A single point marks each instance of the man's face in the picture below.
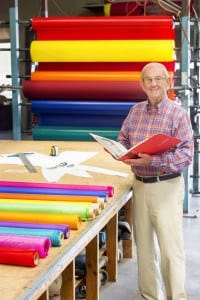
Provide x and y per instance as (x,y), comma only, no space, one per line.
(155,84)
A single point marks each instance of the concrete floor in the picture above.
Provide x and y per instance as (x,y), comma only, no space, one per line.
(126,287)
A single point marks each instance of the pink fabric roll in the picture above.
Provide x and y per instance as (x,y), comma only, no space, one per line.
(40,244)
(22,184)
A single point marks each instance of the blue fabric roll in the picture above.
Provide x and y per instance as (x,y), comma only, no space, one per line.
(55,236)
(61,227)
(81,107)
(5,189)
(80,120)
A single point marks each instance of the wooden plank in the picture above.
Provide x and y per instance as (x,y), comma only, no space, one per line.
(111,248)
(44,296)
(128,244)
(92,269)
(68,282)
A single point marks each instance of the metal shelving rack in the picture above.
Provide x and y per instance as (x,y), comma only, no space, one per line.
(189,81)
(16,99)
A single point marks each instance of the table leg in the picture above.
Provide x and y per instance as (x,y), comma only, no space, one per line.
(68,282)
(112,247)
(128,244)
(92,269)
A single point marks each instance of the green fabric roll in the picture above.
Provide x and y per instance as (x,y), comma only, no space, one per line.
(82,210)
(59,133)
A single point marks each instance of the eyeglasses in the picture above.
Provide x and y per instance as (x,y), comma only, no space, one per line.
(157,80)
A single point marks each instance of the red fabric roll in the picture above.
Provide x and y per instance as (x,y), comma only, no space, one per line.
(90,90)
(20,257)
(98,66)
(104,28)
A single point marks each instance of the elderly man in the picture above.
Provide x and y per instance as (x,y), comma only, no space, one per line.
(158,187)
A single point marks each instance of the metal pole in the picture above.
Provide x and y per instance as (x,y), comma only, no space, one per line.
(44,10)
(185,80)
(14,39)
(196,94)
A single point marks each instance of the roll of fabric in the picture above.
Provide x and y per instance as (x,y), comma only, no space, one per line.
(81,107)
(106,9)
(108,189)
(41,244)
(102,50)
(55,236)
(38,197)
(74,221)
(99,90)
(85,210)
(61,227)
(101,28)
(80,120)
(53,191)
(86,75)
(59,133)
(19,257)
(99,66)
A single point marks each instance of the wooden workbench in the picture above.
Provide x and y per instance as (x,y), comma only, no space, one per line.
(21,283)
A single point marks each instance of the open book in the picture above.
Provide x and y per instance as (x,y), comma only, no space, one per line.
(156,144)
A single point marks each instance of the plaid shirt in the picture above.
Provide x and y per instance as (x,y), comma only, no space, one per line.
(168,118)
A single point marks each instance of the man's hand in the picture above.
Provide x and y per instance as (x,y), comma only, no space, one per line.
(142,160)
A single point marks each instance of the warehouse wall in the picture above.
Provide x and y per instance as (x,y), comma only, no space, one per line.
(29,9)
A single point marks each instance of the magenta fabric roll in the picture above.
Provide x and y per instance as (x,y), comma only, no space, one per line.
(40,244)
(22,184)
(64,228)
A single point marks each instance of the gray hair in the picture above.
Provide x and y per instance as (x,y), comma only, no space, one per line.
(154,64)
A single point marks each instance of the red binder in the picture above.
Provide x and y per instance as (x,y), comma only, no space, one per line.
(156,144)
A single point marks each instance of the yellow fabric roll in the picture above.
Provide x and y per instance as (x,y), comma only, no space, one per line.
(106,9)
(102,51)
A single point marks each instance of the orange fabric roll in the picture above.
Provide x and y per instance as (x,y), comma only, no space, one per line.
(49,197)
(42,197)
(88,75)
(74,221)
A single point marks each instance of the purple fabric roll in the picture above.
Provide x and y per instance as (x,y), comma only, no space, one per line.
(39,185)
(64,228)
(40,244)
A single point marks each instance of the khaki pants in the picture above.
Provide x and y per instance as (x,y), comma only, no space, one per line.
(158,211)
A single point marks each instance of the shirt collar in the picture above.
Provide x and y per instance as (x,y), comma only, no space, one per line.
(160,105)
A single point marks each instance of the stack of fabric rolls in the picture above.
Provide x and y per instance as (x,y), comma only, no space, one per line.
(88,71)
(36,216)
